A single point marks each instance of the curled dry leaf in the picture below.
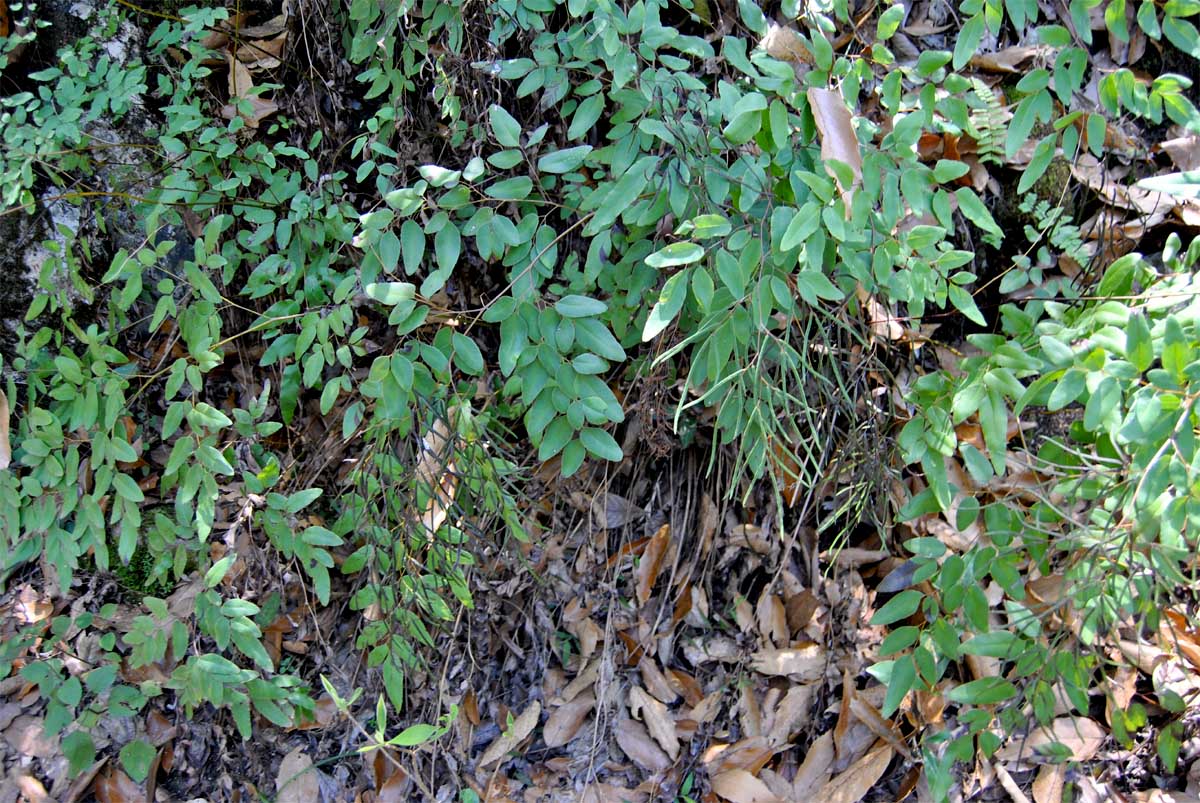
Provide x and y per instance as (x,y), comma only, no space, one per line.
(565,721)
(652,559)
(636,743)
(297,781)
(799,663)
(739,786)
(657,719)
(772,621)
(1008,60)
(838,140)
(853,784)
(791,714)
(507,741)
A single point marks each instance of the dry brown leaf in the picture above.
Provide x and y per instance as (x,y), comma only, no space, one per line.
(115,786)
(1184,151)
(657,718)
(813,772)
(772,621)
(792,713)
(799,663)
(511,737)
(853,784)
(27,735)
(5,444)
(566,720)
(1049,784)
(612,511)
(739,786)
(656,682)
(1008,60)
(611,793)
(636,743)
(651,562)
(1081,735)
(297,781)
(838,140)
(786,45)
(750,754)
(868,715)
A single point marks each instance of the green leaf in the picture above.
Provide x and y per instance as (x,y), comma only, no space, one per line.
(1001,644)
(802,226)
(670,302)
(976,212)
(683,253)
(1139,349)
(888,24)
(466,354)
(505,128)
(412,245)
(901,606)
(601,444)
(511,189)
(585,116)
(985,691)
(565,160)
(392,293)
(555,438)
(577,306)
(1181,185)
(708,226)
(128,489)
(948,170)
(413,735)
(80,751)
(813,285)
(746,118)
(447,245)
(136,758)
(904,677)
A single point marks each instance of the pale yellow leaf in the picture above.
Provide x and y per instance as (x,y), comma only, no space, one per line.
(1049,784)
(813,772)
(739,786)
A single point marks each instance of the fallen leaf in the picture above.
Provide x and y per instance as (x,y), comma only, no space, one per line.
(5,444)
(651,562)
(1008,60)
(772,620)
(296,781)
(657,719)
(1081,735)
(636,743)
(740,786)
(792,713)
(507,741)
(612,511)
(785,44)
(27,735)
(1049,784)
(853,784)
(564,722)
(813,772)
(800,663)
(838,140)
(115,786)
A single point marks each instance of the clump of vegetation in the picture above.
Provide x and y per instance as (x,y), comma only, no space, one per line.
(352,338)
